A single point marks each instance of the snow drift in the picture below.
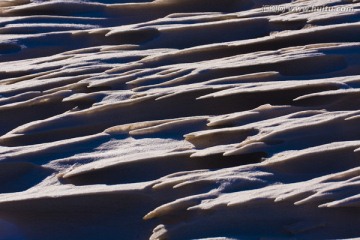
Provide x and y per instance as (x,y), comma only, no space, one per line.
(179,119)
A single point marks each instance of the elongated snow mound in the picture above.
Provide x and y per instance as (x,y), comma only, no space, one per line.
(179,119)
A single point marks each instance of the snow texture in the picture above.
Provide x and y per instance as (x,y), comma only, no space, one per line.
(179,119)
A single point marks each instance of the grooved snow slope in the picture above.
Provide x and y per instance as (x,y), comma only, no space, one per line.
(179,119)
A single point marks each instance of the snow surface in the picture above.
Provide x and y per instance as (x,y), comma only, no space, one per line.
(179,119)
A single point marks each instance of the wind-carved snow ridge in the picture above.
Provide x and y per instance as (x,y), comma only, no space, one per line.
(179,119)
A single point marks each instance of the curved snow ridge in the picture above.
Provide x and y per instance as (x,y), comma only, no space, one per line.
(179,119)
